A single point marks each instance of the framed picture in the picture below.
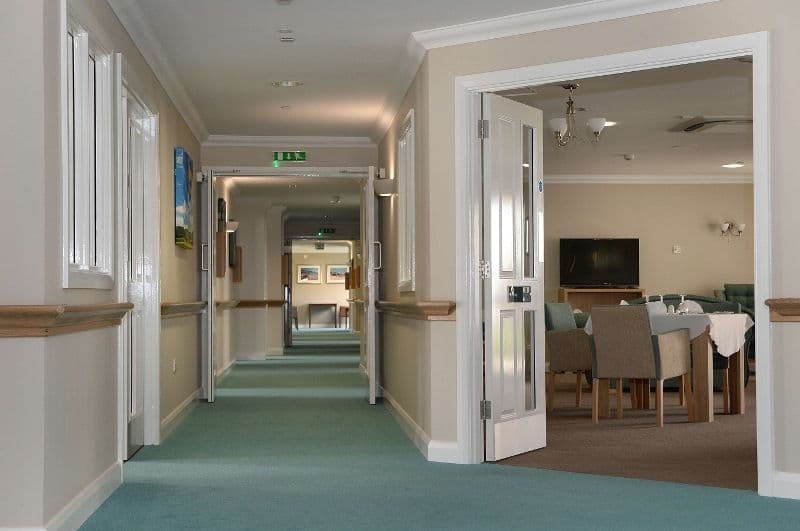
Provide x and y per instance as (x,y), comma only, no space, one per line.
(337,273)
(184,172)
(308,274)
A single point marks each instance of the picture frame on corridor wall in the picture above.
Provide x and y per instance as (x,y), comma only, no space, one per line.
(184,170)
(336,274)
(308,274)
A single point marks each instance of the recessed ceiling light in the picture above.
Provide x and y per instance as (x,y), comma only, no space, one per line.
(285,31)
(284,2)
(611,124)
(287,38)
(285,107)
(734,165)
(287,83)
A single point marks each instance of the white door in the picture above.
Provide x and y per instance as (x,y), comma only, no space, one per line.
(208,210)
(137,135)
(514,371)
(371,263)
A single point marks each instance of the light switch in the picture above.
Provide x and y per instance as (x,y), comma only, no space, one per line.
(676,249)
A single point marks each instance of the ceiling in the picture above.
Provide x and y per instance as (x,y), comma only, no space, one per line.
(218,59)
(647,105)
(304,197)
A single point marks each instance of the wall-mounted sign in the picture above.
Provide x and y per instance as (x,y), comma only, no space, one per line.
(287,156)
(326,231)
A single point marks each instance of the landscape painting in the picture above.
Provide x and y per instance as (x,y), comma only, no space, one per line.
(308,274)
(337,273)
(184,170)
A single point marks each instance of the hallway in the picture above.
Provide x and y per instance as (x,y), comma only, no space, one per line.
(292,444)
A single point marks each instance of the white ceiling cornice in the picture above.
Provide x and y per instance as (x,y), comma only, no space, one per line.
(530,22)
(545,19)
(289,141)
(130,14)
(738,178)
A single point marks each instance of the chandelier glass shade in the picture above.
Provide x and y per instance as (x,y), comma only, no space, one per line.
(564,128)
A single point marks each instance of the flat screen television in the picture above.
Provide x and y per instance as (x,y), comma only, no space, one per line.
(599,262)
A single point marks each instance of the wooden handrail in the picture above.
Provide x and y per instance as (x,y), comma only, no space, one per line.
(420,310)
(259,303)
(226,305)
(50,320)
(172,310)
(786,310)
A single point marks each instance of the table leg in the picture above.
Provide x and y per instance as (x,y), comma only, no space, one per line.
(736,382)
(645,392)
(702,378)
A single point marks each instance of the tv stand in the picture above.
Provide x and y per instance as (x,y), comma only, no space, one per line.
(584,298)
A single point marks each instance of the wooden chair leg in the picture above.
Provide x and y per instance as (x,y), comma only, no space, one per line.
(633,391)
(619,398)
(646,394)
(578,388)
(660,403)
(682,390)
(595,400)
(551,390)
(726,392)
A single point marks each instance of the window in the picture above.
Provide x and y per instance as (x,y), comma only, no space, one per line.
(90,78)
(406,205)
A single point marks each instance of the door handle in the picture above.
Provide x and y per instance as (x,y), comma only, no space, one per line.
(519,294)
(378,246)
(203,262)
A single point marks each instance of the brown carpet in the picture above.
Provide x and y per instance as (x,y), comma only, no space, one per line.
(719,454)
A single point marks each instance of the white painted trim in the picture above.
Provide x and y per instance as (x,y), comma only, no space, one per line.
(132,17)
(175,416)
(362,368)
(226,369)
(411,428)
(770,481)
(275,351)
(81,507)
(406,174)
(289,142)
(649,179)
(545,19)
(443,452)
(786,485)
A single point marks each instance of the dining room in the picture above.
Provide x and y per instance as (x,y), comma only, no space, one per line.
(650,276)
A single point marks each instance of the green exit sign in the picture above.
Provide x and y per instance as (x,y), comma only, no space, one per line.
(287,156)
(326,231)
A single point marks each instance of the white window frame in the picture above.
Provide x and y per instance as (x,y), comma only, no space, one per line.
(88,249)
(406,197)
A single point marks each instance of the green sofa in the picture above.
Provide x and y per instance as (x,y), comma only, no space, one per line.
(744,294)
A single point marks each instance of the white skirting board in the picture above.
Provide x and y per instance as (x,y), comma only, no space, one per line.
(81,507)
(175,416)
(786,485)
(438,451)
(225,370)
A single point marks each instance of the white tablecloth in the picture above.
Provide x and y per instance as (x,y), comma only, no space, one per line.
(727,329)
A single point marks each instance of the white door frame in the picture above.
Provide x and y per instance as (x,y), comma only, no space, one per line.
(468,220)
(151,313)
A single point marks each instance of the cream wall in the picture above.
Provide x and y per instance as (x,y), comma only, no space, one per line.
(718,19)
(303,294)
(660,215)
(64,388)
(262,156)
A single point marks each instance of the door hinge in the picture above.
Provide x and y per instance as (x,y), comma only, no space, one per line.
(484,271)
(486,409)
(483,129)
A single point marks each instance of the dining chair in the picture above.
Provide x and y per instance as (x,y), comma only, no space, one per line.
(568,349)
(625,347)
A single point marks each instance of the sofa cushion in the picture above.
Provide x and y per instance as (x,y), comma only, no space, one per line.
(558,316)
(743,294)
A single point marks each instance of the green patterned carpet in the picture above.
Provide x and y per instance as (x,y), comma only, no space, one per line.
(291,444)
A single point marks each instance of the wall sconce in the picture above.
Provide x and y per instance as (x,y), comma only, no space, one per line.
(731,228)
(385,187)
(231,226)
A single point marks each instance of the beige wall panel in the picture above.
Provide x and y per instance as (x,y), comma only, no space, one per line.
(406,367)
(660,216)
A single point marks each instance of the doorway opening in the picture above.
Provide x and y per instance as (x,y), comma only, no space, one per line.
(287,267)
(652,208)
(469,164)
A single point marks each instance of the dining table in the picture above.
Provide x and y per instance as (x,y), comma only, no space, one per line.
(724,330)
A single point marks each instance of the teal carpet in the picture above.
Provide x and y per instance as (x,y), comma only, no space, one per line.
(292,444)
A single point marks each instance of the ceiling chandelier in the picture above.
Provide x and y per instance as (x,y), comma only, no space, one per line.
(564,128)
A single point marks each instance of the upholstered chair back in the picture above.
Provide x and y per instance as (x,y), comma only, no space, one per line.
(623,342)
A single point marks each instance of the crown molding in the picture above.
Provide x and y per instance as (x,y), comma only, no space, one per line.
(545,19)
(132,17)
(292,142)
(648,179)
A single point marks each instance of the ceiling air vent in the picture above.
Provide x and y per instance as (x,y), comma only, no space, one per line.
(714,124)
